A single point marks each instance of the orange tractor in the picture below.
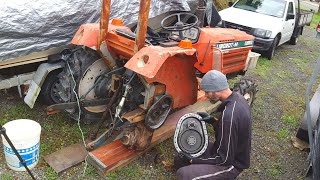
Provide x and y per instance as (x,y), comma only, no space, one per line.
(132,78)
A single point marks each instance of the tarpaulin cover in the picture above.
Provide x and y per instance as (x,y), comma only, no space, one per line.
(34,25)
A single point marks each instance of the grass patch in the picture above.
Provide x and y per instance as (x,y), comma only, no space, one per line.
(91,171)
(291,120)
(263,67)
(50,174)
(315,20)
(275,170)
(6,176)
(133,171)
(283,134)
(166,151)
(301,64)
(19,111)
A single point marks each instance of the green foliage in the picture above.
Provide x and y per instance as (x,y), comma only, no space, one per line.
(290,120)
(91,171)
(283,134)
(50,174)
(133,171)
(275,170)
(263,67)
(315,21)
(6,176)
(19,111)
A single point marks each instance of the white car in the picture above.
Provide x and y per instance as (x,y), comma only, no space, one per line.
(272,22)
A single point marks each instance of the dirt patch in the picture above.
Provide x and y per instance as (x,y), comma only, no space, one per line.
(276,115)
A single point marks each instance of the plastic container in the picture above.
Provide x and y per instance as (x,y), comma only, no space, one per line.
(25,136)
(252,60)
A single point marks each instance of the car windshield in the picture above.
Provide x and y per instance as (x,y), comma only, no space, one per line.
(268,7)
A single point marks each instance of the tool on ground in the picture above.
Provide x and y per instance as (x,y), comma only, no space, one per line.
(191,136)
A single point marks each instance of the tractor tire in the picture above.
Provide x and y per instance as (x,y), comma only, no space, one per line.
(80,61)
(49,89)
(247,88)
(270,52)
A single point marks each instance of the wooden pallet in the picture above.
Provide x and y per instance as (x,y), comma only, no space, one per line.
(115,155)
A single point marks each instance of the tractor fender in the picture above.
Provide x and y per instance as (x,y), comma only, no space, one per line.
(35,86)
(170,66)
(150,59)
(87,35)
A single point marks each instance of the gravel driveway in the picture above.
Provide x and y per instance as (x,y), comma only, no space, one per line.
(276,114)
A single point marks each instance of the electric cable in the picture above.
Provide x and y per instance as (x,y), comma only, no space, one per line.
(78,118)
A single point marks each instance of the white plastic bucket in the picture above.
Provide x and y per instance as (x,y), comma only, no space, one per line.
(25,136)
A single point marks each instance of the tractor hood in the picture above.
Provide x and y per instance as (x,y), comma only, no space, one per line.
(249,19)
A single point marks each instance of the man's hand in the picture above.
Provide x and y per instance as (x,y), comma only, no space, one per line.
(185,157)
(205,117)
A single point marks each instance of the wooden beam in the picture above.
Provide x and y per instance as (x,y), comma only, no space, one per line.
(31,58)
(115,155)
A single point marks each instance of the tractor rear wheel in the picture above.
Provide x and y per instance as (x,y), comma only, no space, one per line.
(85,67)
(247,88)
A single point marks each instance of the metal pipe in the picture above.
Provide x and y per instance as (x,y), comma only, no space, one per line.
(104,21)
(142,25)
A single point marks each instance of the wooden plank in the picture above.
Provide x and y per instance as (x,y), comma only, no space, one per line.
(30,61)
(31,58)
(105,162)
(66,158)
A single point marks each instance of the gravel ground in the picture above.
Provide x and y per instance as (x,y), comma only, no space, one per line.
(276,113)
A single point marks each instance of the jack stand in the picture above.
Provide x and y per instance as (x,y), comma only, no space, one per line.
(3,132)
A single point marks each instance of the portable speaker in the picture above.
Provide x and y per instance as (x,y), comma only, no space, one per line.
(191,135)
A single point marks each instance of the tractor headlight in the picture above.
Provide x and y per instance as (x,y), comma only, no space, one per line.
(262,33)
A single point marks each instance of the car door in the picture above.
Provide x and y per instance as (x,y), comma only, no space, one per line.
(288,24)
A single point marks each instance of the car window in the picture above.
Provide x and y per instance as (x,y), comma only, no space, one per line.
(268,7)
(290,8)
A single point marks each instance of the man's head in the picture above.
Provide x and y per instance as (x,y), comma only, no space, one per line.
(215,85)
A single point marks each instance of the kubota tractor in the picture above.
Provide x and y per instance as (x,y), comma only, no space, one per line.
(117,75)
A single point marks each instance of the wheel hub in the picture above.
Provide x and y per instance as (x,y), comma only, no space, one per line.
(88,80)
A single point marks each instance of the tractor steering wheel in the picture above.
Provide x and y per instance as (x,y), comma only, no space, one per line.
(179,25)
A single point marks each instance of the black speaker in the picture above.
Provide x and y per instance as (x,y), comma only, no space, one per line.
(191,135)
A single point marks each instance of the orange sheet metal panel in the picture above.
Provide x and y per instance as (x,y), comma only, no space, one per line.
(172,67)
(87,35)
(232,60)
(119,46)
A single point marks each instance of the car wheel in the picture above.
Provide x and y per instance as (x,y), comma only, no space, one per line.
(49,90)
(294,40)
(271,51)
